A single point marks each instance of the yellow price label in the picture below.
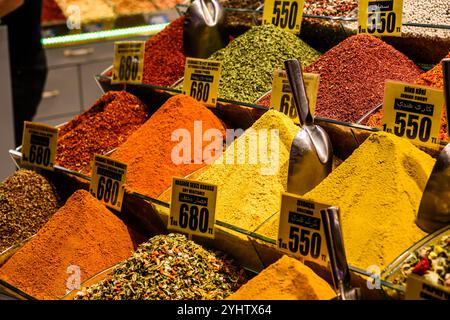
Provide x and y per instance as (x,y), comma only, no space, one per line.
(108,181)
(301,232)
(39,143)
(201,80)
(193,207)
(380,17)
(417,288)
(282,99)
(128,62)
(413,111)
(286,14)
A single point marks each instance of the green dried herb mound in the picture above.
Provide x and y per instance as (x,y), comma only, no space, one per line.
(169,267)
(249,61)
(27,202)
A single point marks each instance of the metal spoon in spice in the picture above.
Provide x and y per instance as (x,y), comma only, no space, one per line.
(336,251)
(311,156)
(434,210)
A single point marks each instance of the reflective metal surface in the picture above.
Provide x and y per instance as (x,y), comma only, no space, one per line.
(204,29)
(311,157)
(434,210)
(336,252)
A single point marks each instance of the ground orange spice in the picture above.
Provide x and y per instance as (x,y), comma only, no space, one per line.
(286,279)
(83,233)
(148,150)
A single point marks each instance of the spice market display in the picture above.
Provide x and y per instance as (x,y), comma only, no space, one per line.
(62,237)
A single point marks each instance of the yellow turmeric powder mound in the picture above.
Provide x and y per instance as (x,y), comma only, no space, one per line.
(286,279)
(252,172)
(378,189)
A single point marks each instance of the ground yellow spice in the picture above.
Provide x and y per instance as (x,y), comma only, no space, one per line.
(249,185)
(286,279)
(378,189)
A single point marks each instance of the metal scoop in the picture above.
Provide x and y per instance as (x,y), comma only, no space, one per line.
(204,29)
(434,210)
(311,156)
(336,251)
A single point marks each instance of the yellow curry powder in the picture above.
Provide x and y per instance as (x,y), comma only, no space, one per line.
(286,279)
(249,181)
(378,189)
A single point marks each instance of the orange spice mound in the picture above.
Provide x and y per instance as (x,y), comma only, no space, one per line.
(100,129)
(148,151)
(82,233)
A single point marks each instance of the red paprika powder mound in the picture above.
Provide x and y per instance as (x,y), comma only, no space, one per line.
(433,78)
(83,233)
(164,58)
(51,12)
(148,151)
(353,74)
(100,129)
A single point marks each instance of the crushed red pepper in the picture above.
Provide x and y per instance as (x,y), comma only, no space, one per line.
(352,77)
(103,127)
(432,78)
(164,58)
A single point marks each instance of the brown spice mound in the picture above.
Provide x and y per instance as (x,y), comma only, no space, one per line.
(148,151)
(82,233)
(353,75)
(164,58)
(27,201)
(100,129)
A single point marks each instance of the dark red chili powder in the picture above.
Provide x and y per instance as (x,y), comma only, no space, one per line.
(353,74)
(108,123)
(164,58)
(51,12)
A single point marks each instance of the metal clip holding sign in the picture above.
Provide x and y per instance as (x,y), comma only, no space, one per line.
(336,251)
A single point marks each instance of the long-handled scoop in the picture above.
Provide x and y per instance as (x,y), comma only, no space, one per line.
(434,210)
(336,252)
(204,28)
(311,156)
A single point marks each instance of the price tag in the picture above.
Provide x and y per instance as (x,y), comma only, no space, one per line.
(380,17)
(128,62)
(201,80)
(300,231)
(193,207)
(286,15)
(412,111)
(417,288)
(108,181)
(282,99)
(39,145)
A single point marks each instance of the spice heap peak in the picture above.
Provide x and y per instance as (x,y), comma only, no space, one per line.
(80,240)
(378,190)
(149,152)
(286,279)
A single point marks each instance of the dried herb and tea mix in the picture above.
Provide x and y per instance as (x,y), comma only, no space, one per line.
(169,267)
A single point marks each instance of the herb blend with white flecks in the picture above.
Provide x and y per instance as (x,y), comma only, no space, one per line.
(169,267)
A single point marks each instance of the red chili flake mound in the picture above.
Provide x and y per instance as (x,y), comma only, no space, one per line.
(108,123)
(432,78)
(164,58)
(353,75)
(51,11)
